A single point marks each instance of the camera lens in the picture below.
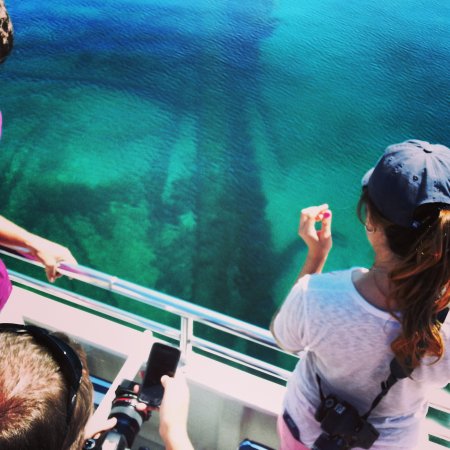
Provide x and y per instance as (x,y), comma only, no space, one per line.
(89,444)
(129,420)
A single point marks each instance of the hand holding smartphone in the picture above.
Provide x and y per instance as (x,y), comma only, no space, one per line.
(163,360)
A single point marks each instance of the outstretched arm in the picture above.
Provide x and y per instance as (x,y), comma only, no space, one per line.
(319,242)
(49,253)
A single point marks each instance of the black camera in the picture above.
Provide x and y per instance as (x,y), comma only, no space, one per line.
(344,427)
(129,421)
(163,360)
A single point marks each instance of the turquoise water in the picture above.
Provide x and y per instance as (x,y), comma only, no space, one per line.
(173,143)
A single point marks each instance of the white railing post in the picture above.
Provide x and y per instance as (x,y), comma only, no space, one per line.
(187,332)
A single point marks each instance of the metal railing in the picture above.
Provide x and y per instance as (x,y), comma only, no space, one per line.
(189,313)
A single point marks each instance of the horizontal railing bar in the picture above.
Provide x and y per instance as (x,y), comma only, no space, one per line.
(437,430)
(133,319)
(440,399)
(163,301)
(94,305)
(248,361)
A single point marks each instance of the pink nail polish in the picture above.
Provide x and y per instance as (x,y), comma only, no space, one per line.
(327,215)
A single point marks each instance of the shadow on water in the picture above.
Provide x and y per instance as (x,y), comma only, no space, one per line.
(207,234)
(211,237)
(207,228)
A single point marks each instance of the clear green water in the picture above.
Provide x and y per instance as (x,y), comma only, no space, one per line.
(173,143)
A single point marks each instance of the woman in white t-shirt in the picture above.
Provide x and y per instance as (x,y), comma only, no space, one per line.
(352,323)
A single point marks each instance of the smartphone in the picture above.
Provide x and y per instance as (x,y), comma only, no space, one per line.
(162,360)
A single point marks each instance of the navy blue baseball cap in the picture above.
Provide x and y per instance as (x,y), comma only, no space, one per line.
(408,175)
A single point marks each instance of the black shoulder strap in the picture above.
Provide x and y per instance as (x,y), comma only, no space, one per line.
(442,315)
(398,372)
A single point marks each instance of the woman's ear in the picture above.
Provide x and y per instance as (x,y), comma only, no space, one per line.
(370,227)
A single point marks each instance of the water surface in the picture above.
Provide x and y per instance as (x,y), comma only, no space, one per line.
(173,143)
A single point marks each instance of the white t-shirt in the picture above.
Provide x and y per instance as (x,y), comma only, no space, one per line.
(347,343)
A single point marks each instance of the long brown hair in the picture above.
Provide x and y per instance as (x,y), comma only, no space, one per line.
(420,281)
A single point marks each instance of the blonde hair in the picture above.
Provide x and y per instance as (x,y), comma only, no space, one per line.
(33,397)
(420,281)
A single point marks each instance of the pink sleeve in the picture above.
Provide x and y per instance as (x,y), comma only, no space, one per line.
(5,285)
